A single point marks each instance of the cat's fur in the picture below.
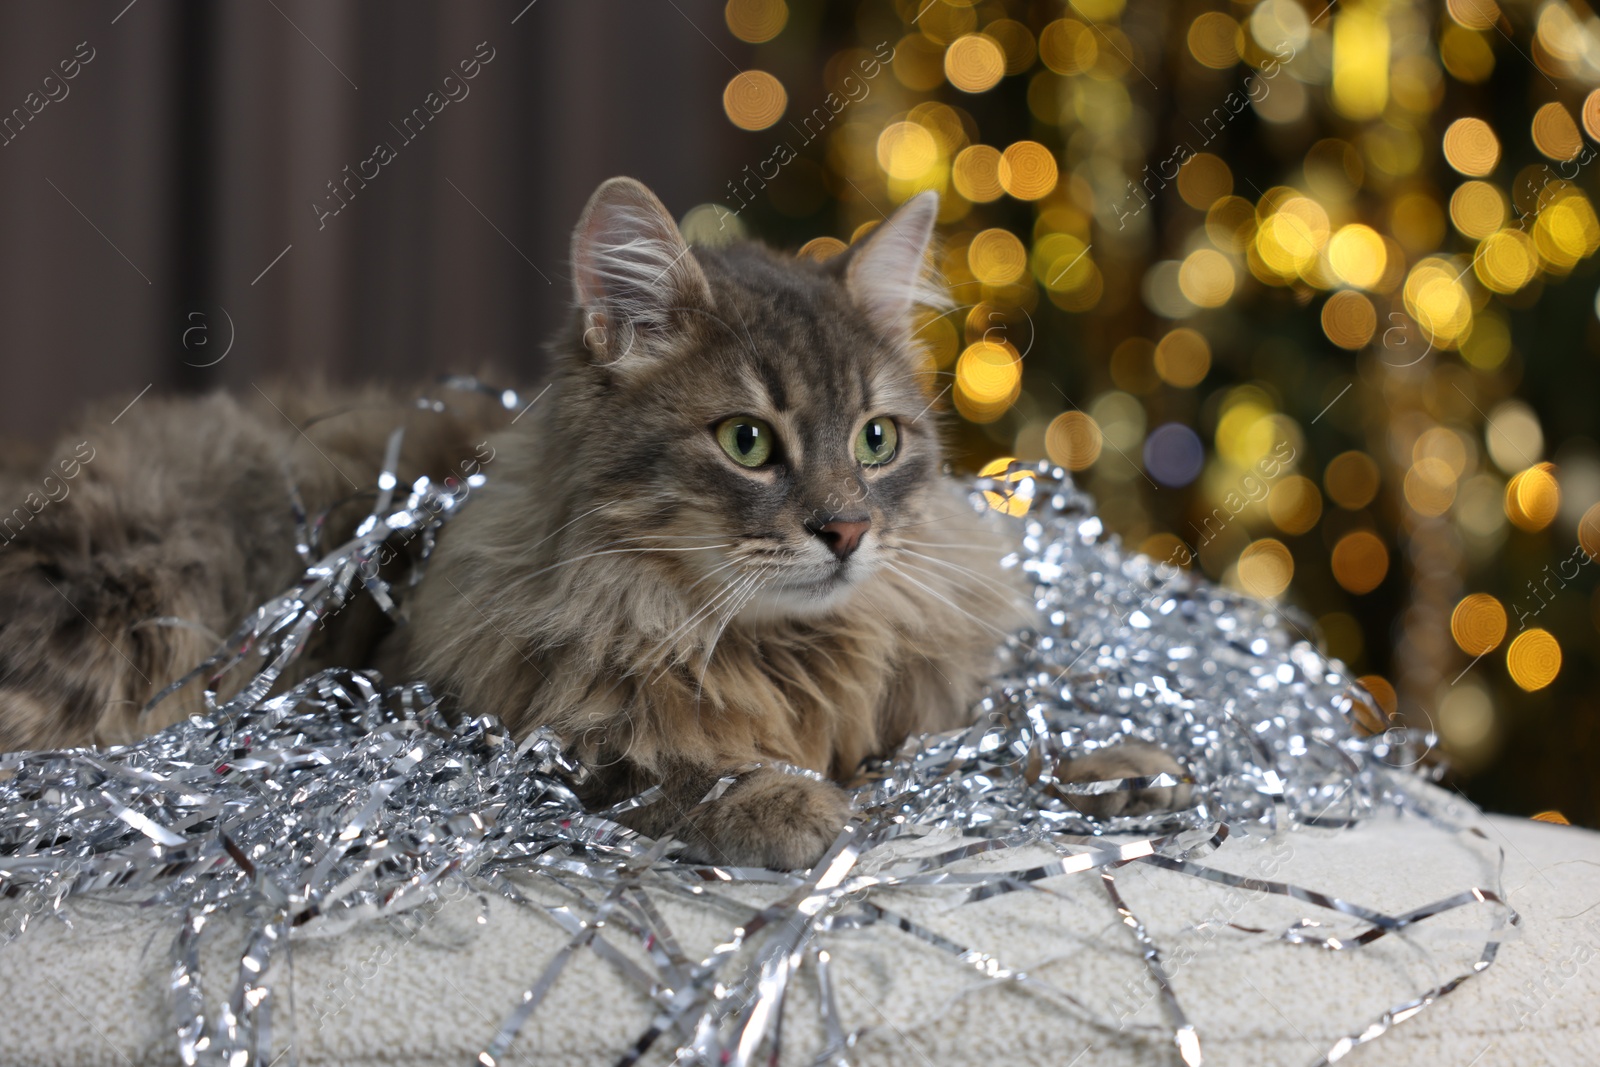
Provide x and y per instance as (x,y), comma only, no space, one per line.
(676,616)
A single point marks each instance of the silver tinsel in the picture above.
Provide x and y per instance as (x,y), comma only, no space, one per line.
(338,801)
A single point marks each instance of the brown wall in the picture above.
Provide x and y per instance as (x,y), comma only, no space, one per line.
(199,135)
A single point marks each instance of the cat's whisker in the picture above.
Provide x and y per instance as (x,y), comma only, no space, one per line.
(697,616)
(925,522)
(944,544)
(612,552)
(716,638)
(1009,637)
(988,580)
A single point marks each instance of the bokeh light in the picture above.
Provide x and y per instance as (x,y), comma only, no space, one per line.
(1027,170)
(1182,357)
(1174,454)
(1478,624)
(1360,561)
(1266,568)
(1533,498)
(1349,319)
(1351,480)
(756,21)
(976,173)
(754,100)
(1073,440)
(997,257)
(1012,502)
(1471,147)
(974,62)
(1534,659)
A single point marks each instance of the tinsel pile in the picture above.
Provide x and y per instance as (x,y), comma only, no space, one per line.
(339,801)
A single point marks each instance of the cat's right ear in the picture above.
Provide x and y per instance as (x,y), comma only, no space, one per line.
(633,273)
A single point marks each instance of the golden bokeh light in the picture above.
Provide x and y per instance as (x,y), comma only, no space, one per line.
(1351,480)
(1466,54)
(974,63)
(1382,693)
(1534,659)
(1073,440)
(1471,147)
(988,380)
(1204,179)
(1231,223)
(976,173)
(1474,14)
(1294,505)
(1591,114)
(1016,41)
(1444,444)
(822,249)
(754,100)
(1566,231)
(1438,301)
(1478,624)
(1533,498)
(1360,561)
(918,62)
(1215,40)
(755,21)
(906,150)
(1290,238)
(1417,222)
(1183,357)
(1133,366)
(1513,436)
(944,22)
(1266,568)
(1013,502)
(1027,170)
(1349,319)
(1062,264)
(1167,548)
(1478,209)
(1357,255)
(1068,47)
(1206,278)
(1466,721)
(1589,531)
(1487,347)
(1554,132)
(1361,54)
(996,257)
(1430,486)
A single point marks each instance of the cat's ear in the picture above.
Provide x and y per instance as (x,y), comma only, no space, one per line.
(889,273)
(633,274)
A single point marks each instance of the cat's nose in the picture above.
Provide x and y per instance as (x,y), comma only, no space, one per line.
(842,536)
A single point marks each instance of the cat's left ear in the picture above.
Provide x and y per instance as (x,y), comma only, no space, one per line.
(888,273)
(633,274)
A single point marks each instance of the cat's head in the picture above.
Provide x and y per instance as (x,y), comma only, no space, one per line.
(761,423)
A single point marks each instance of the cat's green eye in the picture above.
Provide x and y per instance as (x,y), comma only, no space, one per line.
(748,442)
(876,442)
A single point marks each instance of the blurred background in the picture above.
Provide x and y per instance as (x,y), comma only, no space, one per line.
(1304,293)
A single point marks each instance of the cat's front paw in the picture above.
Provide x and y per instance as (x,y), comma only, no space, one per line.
(1131,759)
(770,819)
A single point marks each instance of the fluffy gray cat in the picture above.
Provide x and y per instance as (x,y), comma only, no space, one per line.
(721,544)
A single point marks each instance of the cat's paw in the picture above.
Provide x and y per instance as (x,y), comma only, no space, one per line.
(1131,759)
(770,819)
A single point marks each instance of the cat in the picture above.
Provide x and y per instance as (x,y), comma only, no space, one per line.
(720,544)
